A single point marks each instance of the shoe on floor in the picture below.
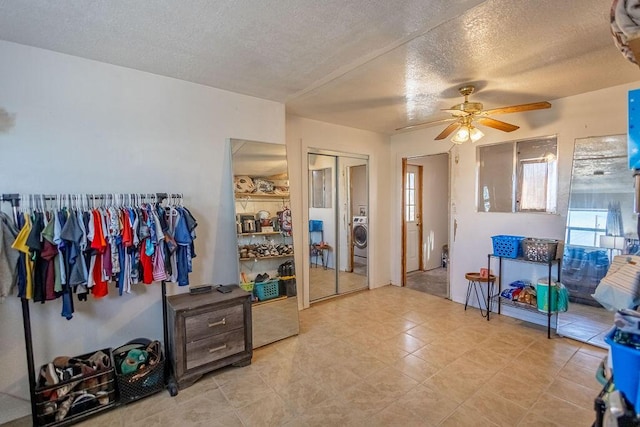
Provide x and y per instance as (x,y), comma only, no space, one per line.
(48,372)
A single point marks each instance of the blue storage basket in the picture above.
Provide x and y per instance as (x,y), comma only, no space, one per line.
(626,368)
(507,246)
(267,290)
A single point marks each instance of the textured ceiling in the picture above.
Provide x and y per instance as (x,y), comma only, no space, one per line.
(370,64)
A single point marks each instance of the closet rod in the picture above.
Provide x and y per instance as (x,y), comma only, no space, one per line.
(15,198)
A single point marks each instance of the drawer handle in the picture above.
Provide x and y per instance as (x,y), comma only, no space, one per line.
(222,347)
(221,322)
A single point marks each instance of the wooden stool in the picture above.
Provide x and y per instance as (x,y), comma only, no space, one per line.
(475,281)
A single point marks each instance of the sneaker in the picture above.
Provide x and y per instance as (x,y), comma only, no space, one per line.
(63,409)
(49,374)
(262,277)
(61,362)
(103,397)
(66,389)
(49,408)
(100,360)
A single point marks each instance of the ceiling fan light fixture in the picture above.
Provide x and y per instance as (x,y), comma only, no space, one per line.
(461,136)
(467,133)
(475,134)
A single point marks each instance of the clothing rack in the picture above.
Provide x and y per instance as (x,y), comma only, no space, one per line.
(14,199)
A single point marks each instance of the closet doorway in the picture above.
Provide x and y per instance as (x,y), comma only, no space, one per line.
(338,224)
(425,224)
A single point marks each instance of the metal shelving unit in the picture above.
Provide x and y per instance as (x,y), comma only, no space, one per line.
(549,264)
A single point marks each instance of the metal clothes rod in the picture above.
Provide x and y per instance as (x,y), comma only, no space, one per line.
(15,197)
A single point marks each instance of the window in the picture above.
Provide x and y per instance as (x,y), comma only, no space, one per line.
(518,176)
(410,199)
(585,226)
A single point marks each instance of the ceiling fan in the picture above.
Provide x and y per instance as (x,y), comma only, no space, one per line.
(464,116)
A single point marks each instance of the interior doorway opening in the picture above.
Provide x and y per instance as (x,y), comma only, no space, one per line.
(426,224)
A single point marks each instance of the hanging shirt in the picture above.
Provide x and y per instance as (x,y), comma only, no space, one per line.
(20,244)
(72,234)
(99,244)
(159,272)
(147,266)
(35,248)
(113,216)
(127,235)
(61,274)
(8,256)
(183,239)
(172,216)
(49,254)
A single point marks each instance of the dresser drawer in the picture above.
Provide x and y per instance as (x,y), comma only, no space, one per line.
(215,322)
(215,347)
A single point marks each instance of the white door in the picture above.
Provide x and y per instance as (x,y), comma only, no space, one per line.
(412,218)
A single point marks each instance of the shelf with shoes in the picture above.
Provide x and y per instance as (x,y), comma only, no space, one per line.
(265,255)
(70,389)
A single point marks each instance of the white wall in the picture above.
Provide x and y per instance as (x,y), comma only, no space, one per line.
(303,134)
(602,112)
(84,126)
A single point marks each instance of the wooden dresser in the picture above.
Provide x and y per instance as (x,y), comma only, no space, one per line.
(207,332)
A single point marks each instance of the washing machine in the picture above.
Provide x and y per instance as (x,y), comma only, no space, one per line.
(360,236)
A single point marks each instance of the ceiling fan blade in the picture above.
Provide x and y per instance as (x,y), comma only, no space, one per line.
(436,122)
(448,131)
(496,124)
(517,108)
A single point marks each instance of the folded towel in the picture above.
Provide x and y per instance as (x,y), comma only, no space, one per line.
(623,14)
(627,15)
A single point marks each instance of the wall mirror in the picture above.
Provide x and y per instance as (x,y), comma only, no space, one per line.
(265,238)
(338,227)
(600,225)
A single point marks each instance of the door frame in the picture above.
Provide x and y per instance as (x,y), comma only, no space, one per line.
(337,252)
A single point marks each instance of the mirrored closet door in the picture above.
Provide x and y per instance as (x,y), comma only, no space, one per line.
(338,224)
(600,225)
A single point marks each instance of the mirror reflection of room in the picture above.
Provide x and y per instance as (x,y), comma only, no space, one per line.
(338,225)
(265,238)
(601,225)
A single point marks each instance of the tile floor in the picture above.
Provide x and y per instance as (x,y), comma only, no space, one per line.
(322,282)
(385,357)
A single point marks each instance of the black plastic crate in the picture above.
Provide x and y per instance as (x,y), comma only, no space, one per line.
(146,380)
